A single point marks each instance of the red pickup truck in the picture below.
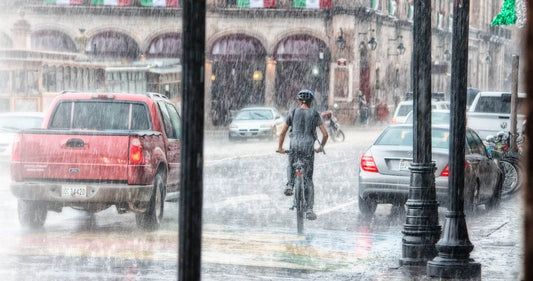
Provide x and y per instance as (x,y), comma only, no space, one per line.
(94,151)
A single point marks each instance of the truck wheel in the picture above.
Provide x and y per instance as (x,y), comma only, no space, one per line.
(31,214)
(151,218)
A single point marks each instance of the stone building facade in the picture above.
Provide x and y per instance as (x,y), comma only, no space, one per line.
(340,50)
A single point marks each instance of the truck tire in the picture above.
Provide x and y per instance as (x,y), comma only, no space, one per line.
(151,218)
(32,214)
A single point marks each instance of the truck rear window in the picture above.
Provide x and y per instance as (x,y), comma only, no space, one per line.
(97,115)
(496,105)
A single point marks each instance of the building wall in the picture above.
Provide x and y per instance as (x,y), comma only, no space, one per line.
(389,71)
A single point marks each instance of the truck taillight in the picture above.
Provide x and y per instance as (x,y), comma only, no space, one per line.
(15,148)
(136,151)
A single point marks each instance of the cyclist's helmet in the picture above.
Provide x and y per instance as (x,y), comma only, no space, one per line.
(305,95)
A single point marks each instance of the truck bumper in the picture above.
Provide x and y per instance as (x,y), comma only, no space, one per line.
(94,192)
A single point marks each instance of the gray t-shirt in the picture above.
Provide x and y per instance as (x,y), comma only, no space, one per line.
(303,132)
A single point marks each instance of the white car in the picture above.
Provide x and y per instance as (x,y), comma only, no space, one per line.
(405,107)
(10,124)
(256,122)
(490,113)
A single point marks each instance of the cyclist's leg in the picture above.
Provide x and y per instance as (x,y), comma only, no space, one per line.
(290,174)
(309,186)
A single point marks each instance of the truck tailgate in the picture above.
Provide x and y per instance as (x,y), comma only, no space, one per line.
(78,156)
(491,123)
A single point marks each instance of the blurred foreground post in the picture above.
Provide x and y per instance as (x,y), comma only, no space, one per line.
(421,229)
(453,260)
(514,104)
(191,192)
(528,190)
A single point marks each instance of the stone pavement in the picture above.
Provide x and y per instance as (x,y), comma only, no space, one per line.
(497,240)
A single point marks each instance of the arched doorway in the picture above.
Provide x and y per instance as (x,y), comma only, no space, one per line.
(238,72)
(112,45)
(52,40)
(302,63)
(166,45)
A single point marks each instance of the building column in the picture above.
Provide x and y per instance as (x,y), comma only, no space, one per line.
(21,34)
(270,81)
(208,88)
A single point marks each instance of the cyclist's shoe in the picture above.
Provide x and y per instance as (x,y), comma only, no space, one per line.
(288,190)
(310,215)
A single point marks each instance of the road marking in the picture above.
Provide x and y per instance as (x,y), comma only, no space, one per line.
(338,207)
(236,200)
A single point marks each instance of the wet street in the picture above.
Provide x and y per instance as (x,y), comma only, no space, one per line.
(249,232)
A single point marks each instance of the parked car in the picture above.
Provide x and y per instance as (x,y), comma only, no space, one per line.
(438,116)
(256,122)
(404,107)
(490,113)
(10,124)
(100,150)
(384,175)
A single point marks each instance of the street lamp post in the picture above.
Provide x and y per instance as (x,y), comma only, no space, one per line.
(453,260)
(191,183)
(421,229)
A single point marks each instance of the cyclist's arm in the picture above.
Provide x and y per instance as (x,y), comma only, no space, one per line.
(324,137)
(282,138)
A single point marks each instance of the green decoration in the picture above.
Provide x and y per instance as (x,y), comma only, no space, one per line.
(507,15)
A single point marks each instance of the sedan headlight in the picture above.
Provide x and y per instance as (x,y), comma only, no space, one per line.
(233,126)
(265,126)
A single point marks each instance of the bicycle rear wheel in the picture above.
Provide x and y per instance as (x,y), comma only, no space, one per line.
(299,202)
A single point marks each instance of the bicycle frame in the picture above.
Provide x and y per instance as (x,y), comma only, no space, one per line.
(299,201)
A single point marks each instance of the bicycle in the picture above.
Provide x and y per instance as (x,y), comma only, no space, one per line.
(299,201)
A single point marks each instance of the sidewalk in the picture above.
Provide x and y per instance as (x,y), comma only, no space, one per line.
(497,246)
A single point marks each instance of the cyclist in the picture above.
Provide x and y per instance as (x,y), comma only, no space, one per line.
(303,122)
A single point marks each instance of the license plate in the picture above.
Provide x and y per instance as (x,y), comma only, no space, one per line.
(74,191)
(404,165)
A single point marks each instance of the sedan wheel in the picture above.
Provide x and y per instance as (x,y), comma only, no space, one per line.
(367,207)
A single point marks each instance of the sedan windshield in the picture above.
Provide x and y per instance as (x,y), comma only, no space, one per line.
(403,136)
(254,115)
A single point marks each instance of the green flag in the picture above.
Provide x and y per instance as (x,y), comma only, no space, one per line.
(507,15)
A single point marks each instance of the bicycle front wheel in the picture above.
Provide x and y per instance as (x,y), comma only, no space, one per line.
(299,202)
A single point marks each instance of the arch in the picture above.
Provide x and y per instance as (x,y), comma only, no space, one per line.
(237,47)
(210,42)
(5,41)
(300,47)
(167,45)
(303,62)
(112,44)
(52,40)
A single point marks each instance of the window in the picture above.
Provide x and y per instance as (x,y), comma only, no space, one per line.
(174,119)
(169,129)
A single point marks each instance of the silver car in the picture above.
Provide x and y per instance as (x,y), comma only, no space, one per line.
(256,122)
(384,175)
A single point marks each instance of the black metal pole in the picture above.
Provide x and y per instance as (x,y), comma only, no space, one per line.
(190,216)
(453,260)
(514,103)
(421,229)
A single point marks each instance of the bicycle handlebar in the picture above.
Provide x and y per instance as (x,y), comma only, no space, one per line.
(288,151)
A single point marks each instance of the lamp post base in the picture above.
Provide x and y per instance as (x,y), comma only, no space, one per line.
(454,268)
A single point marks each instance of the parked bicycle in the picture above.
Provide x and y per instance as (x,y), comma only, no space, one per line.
(509,159)
(299,202)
